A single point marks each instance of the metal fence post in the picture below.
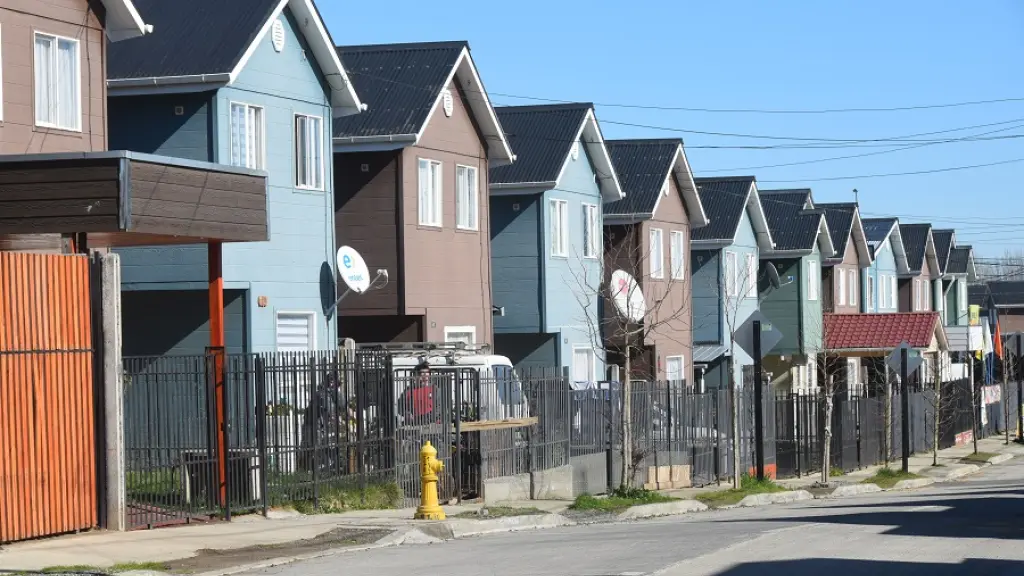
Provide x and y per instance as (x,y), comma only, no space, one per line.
(261,427)
(610,454)
(314,426)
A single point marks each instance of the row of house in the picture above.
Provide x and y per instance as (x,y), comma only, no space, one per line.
(497,225)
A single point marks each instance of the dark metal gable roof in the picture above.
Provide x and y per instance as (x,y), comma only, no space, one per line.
(915,242)
(793,226)
(877,230)
(943,240)
(724,201)
(541,137)
(399,83)
(642,167)
(839,217)
(190,37)
(959,260)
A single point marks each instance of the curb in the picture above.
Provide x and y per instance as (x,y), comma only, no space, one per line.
(774,498)
(999,459)
(912,484)
(847,490)
(662,509)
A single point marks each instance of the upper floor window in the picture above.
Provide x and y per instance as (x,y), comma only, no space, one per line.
(430,198)
(841,286)
(591,231)
(467,201)
(248,136)
(751,276)
(812,279)
(962,293)
(732,287)
(851,285)
(559,228)
(871,294)
(58,82)
(309,152)
(678,248)
(657,252)
(893,291)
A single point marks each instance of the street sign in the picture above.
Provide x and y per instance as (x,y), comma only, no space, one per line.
(913,362)
(744,335)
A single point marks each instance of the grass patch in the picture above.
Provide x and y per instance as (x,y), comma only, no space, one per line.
(129,566)
(978,458)
(749,485)
(501,512)
(835,472)
(115,569)
(343,499)
(887,477)
(73,568)
(619,500)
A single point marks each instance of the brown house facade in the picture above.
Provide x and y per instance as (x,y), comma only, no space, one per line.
(411,193)
(915,288)
(841,276)
(647,235)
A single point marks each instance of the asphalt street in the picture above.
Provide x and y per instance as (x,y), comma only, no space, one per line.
(973,526)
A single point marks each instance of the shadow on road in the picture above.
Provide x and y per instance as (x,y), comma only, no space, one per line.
(841,567)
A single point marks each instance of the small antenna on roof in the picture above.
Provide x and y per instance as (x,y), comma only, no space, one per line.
(856,196)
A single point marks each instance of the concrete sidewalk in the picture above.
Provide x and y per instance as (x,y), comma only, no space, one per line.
(381,527)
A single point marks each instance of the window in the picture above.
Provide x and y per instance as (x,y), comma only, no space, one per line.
(731,285)
(893,291)
(309,152)
(871,294)
(583,364)
(57,82)
(939,304)
(248,136)
(657,253)
(851,285)
(812,279)
(295,331)
(841,286)
(430,192)
(751,276)
(677,246)
(962,293)
(464,334)
(559,228)
(591,231)
(467,201)
(675,367)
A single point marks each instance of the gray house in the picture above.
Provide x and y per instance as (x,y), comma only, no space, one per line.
(724,256)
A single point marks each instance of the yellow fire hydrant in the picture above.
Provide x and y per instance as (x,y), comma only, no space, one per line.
(430,466)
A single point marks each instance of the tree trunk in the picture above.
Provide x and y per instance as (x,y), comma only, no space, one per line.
(826,449)
(734,420)
(888,417)
(627,420)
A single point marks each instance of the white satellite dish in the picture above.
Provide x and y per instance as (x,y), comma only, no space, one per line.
(353,270)
(627,296)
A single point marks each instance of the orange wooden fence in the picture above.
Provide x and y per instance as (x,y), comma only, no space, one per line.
(47,437)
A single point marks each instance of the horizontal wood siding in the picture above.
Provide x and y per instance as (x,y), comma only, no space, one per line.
(47,438)
(182,201)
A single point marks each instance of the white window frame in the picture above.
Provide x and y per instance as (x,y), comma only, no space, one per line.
(57,38)
(812,285)
(261,162)
(312,325)
(656,239)
(961,293)
(474,198)
(436,192)
(940,300)
(592,370)
(894,292)
(591,225)
(558,214)
(677,249)
(449,330)
(682,367)
(751,275)
(320,139)
(840,287)
(851,287)
(870,300)
(731,271)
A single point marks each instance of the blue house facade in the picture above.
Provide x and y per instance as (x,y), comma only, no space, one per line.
(724,256)
(889,262)
(546,238)
(257,90)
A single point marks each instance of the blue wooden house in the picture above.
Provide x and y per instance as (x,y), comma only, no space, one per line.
(546,237)
(724,256)
(889,261)
(255,88)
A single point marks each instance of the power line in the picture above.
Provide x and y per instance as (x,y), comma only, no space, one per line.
(892,174)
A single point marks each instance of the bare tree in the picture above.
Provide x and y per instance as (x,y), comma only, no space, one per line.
(664,313)
(1009,266)
(942,407)
(831,376)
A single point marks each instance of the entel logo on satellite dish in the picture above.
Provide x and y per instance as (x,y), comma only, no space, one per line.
(627,296)
(353,269)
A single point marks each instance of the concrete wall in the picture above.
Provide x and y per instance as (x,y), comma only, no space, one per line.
(550,484)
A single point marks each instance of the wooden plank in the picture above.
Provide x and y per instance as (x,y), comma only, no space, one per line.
(53,172)
(200,213)
(59,208)
(498,424)
(200,230)
(192,195)
(46,225)
(58,190)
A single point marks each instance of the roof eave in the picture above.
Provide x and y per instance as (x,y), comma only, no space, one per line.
(828,249)
(762,231)
(123,20)
(627,218)
(608,181)
(684,179)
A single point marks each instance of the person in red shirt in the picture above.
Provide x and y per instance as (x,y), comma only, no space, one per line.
(417,400)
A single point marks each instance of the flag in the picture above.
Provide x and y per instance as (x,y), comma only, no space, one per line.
(997,341)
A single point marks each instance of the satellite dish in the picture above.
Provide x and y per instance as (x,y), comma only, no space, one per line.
(627,296)
(773,276)
(353,270)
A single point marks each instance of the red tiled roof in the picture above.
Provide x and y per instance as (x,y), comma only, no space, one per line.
(879,331)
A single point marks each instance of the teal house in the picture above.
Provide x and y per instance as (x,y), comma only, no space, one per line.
(802,240)
(724,258)
(546,238)
(889,262)
(255,88)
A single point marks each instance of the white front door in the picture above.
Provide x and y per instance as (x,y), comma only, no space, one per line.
(674,369)
(583,364)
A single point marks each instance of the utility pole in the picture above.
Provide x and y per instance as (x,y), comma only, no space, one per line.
(905,405)
(758,403)
(1020,388)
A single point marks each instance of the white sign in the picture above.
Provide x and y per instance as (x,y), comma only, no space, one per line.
(627,296)
(353,270)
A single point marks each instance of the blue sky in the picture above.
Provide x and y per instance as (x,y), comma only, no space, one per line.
(767,55)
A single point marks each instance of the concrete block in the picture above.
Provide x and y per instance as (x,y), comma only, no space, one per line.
(775,498)
(509,488)
(853,490)
(668,477)
(913,484)
(553,484)
(662,509)
(961,471)
(463,528)
(1000,458)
